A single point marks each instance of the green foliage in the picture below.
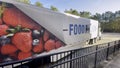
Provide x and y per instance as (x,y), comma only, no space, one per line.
(72,11)
(85,14)
(97,16)
(110,22)
(2,8)
(25,1)
(112,26)
(38,4)
(53,8)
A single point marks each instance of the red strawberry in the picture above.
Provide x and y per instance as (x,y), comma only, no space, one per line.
(46,36)
(59,44)
(23,41)
(1,21)
(8,49)
(3,29)
(14,17)
(23,55)
(38,48)
(49,45)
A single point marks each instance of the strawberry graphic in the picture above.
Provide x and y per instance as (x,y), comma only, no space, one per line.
(38,48)
(1,13)
(49,45)
(0,21)
(4,40)
(24,55)
(8,49)
(23,41)
(46,35)
(59,44)
(13,17)
(3,29)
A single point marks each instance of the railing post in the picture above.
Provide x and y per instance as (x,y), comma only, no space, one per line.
(95,64)
(2,66)
(107,51)
(119,45)
(114,48)
(12,65)
(71,58)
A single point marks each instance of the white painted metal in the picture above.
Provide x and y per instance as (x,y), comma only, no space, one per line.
(99,31)
(93,28)
(71,15)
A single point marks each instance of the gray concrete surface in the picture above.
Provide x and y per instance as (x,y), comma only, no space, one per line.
(114,63)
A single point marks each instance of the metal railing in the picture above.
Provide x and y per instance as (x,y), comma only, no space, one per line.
(89,57)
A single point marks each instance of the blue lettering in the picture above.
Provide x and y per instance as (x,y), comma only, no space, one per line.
(79,29)
(71,29)
(75,29)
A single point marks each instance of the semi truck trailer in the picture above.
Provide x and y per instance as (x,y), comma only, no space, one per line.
(27,30)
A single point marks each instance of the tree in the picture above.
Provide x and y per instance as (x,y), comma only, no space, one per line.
(72,11)
(53,8)
(117,13)
(85,14)
(97,16)
(25,1)
(38,4)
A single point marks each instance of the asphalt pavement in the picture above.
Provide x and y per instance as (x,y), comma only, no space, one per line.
(114,63)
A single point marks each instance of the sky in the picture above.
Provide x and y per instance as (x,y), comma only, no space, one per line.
(93,6)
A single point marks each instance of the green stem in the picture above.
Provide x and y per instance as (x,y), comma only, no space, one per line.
(2,8)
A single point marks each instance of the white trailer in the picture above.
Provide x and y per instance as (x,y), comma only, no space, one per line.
(70,29)
(95,32)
